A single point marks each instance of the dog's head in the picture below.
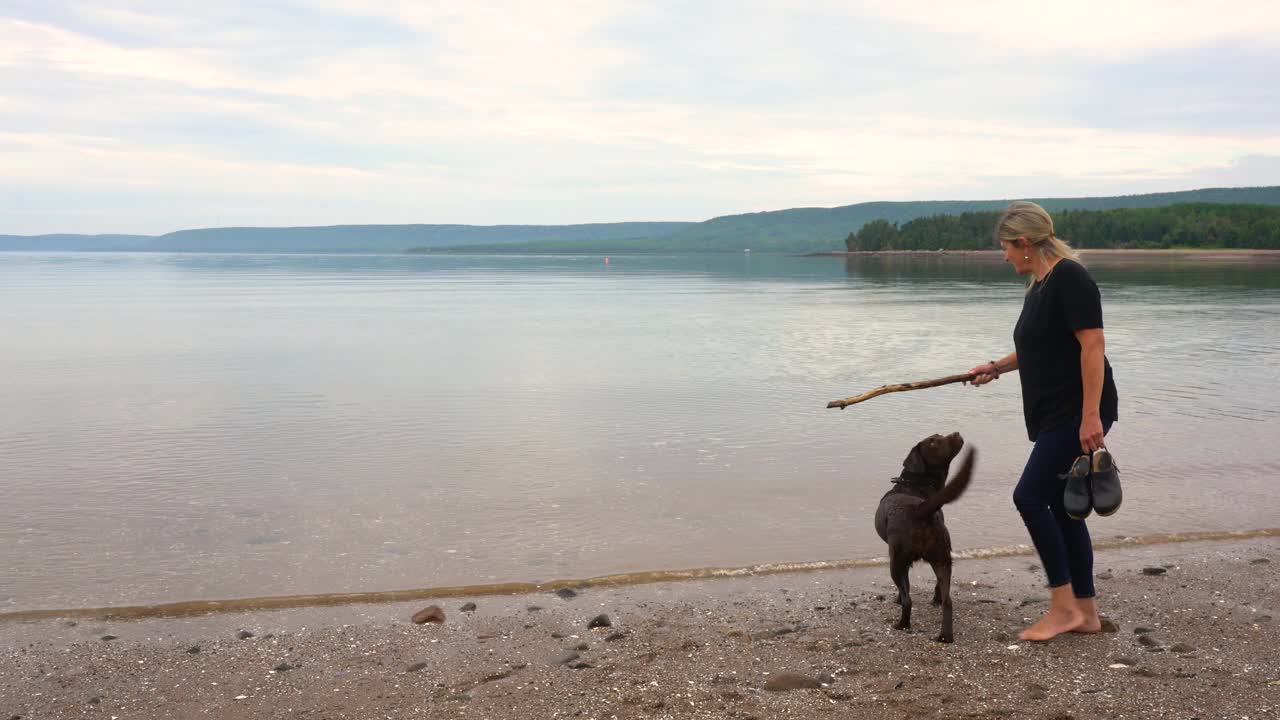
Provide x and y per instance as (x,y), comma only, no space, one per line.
(931,457)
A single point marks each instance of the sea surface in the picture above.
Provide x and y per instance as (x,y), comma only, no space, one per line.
(186,426)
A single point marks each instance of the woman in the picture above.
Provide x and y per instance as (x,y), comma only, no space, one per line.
(1068,402)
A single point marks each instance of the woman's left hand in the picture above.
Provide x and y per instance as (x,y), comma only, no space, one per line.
(1091,433)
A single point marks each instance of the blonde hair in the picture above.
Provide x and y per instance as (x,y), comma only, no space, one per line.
(1025,219)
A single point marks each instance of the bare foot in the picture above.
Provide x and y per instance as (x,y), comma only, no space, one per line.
(1058,620)
(1089,625)
(1089,609)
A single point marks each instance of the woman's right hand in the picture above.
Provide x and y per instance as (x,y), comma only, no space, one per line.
(982,374)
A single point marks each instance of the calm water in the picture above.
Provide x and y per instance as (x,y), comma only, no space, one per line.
(209,426)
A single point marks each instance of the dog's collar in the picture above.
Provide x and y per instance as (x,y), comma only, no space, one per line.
(917,480)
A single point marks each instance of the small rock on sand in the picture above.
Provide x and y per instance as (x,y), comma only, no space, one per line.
(1154,571)
(566,593)
(600,621)
(565,658)
(416,667)
(430,614)
(784,681)
(469,607)
(244,635)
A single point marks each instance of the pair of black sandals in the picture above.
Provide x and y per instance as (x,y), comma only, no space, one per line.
(1093,485)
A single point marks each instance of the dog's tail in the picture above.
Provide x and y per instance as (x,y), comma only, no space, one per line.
(952,490)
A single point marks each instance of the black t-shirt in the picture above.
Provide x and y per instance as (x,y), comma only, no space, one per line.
(1048,352)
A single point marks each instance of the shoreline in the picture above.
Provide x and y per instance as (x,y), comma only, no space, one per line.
(197,607)
(1193,636)
(1203,254)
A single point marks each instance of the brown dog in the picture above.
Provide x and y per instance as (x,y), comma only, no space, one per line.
(910,520)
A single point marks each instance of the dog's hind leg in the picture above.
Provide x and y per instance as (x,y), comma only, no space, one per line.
(942,568)
(900,571)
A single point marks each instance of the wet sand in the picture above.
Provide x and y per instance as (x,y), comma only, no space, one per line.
(702,648)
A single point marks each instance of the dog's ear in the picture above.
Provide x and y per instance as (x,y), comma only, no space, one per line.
(914,462)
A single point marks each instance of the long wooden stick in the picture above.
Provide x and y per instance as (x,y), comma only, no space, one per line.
(900,387)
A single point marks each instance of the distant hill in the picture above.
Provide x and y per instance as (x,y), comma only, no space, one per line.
(339,238)
(397,238)
(819,229)
(74,242)
(1182,225)
(794,230)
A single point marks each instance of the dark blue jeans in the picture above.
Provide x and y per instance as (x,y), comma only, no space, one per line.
(1065,549)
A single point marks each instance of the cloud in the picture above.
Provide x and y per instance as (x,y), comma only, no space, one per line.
(1087,28)
(345,111)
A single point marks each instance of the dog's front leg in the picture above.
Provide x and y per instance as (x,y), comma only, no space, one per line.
(900,571)
(942,569)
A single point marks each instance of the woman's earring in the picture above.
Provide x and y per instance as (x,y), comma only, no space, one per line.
(1026,257)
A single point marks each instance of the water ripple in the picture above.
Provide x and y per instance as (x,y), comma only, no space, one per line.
(180,427)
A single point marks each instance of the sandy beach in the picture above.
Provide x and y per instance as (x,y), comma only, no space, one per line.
(1191,634)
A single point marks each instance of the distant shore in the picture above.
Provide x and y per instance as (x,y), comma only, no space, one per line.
(1109,254)
(1191,632)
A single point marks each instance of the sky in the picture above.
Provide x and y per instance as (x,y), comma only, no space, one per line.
(147,117)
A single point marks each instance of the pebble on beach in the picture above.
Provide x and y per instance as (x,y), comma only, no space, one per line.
(565,657)
(429,614)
